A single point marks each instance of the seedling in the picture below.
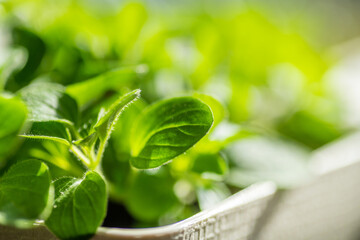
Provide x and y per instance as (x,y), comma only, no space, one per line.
(75,207)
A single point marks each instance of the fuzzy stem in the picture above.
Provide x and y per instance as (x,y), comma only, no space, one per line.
(81,155)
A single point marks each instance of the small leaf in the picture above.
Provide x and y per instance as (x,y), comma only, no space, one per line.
(24,193)
(49,102)
(167,129)
(92,89)
(79,207)
(12,117)
(107,120)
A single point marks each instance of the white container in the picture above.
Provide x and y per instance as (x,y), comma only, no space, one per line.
(328,207)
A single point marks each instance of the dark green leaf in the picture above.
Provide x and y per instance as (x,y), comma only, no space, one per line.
(25,193)
(115,162)
(79,208)
(151,195)
(35,49)
(116,169)
(167,129)
(49,102)
(12,117)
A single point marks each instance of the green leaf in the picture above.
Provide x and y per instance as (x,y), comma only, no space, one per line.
(167,129)
(308,129)
(25,193)
(151,195)
(51,130)
(115,162)
(35,51)
(92,89)
(79,208)
(116,168)
(259,159)
(209,163)
(107,120)
(12,117)
(49,102)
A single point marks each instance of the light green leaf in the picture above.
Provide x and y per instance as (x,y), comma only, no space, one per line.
(108,119)
(79,208)
(49,102)
(12,117)
(92,89)
(167,129)
(25,193)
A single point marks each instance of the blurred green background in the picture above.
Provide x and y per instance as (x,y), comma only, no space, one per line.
(285,66)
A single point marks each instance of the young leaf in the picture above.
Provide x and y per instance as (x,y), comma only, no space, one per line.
(105,123)
(79,208)
(49,102)
(167,129)
(12,117)
(24,193)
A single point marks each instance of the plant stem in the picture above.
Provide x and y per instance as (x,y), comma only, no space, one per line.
(99,155)
(81,155)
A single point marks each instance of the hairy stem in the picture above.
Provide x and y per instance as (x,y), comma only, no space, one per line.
(81,155)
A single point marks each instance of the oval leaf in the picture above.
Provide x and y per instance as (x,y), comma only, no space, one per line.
(167,129)
(79,208)
(24,193)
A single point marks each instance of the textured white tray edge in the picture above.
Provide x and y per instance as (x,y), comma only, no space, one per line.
(255,192)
